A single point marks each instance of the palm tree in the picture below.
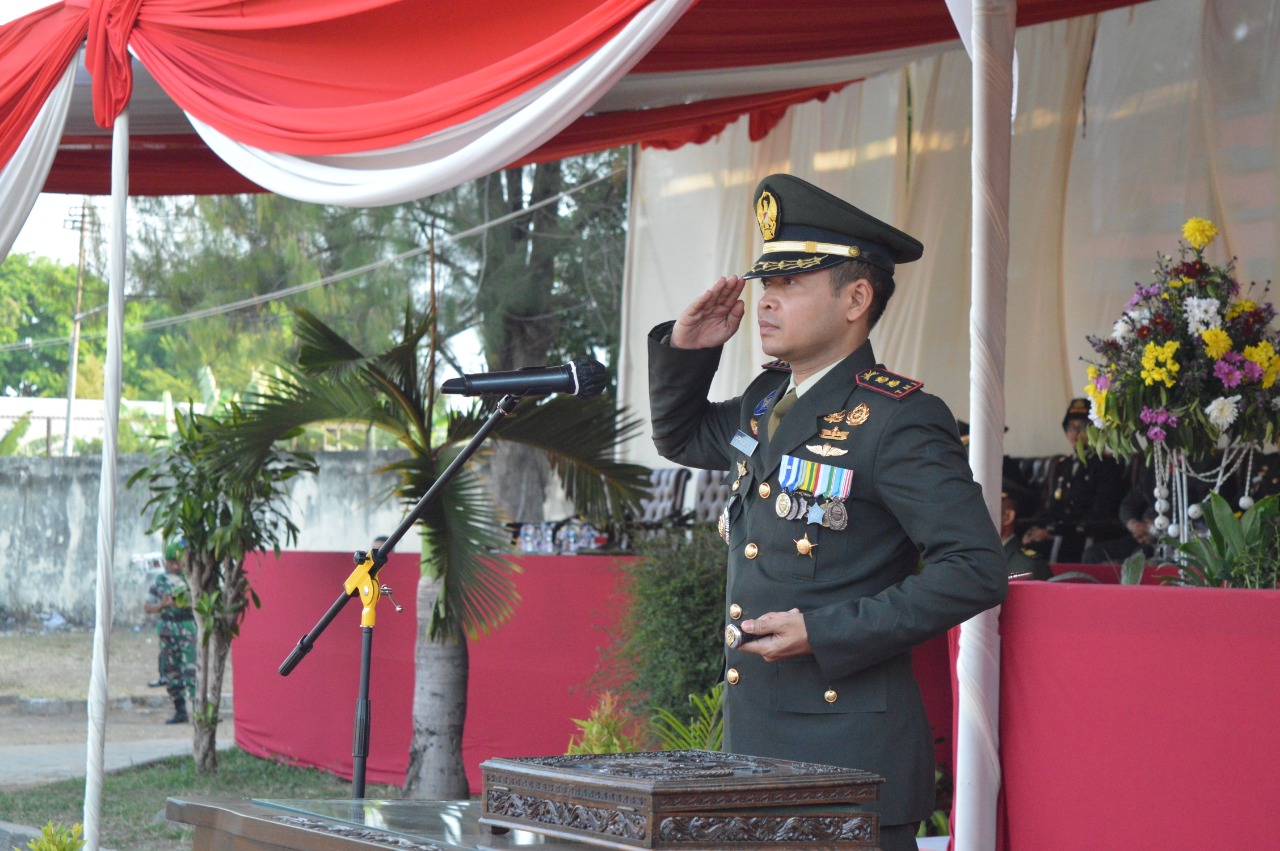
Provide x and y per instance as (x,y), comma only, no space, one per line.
(465,590)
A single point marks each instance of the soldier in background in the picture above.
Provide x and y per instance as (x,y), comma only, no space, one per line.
(170,598)
(1082,499)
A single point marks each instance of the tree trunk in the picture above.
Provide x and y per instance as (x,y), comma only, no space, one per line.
(213,644)
(439,708)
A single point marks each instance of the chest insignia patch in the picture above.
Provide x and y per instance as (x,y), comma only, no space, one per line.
(833,434)
(834,417)
(858,415)
(826,450)
(888,383)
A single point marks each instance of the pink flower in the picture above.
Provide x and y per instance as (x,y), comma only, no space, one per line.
(1225,371)
(1156,434)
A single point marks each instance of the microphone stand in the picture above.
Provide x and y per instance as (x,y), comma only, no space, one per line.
(363,582)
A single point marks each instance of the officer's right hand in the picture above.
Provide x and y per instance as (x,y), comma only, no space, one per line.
(713,317)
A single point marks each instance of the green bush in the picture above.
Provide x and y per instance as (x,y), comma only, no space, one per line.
(57,837)
(670,645)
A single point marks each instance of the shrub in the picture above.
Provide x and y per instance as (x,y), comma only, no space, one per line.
(670,643)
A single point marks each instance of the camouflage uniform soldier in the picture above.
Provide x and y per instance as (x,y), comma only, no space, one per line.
(170,597)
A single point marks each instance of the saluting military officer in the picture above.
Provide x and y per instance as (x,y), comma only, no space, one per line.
(855,528)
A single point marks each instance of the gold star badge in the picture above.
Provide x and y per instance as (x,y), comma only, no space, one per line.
(804,546)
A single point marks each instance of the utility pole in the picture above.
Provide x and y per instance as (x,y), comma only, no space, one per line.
(77,218)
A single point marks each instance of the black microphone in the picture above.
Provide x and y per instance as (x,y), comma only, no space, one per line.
(582,377)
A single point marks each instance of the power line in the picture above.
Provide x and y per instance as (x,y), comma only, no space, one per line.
(253,301)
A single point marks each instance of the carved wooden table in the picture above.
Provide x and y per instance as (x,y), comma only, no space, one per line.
(683,800)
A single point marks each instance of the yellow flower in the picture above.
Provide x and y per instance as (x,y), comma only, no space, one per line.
(1099,397)
(1240,307)
(1216,342)
(1264,355)
(1199,232)
(1152,356)
(1176,283)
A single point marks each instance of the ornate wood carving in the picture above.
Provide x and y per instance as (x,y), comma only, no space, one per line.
(360,833)
(625,825)
(768,829)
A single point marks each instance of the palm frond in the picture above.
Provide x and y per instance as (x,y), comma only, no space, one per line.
(287,405)
(581,438)
(462,535)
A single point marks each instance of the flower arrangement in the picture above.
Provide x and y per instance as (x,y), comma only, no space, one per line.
(1191,366)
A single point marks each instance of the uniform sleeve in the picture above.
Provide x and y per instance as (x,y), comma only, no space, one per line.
(923,478)
(687,429)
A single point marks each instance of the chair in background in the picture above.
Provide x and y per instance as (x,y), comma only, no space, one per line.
(665,502)
(710,493)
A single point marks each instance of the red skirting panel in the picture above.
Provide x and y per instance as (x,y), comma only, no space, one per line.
(1139,717)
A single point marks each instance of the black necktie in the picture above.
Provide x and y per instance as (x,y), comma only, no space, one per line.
(780,410)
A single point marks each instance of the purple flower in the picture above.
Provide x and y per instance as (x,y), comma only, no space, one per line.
(1158,417)
(1103,381)
(1156,434)
(1226,372)
(1252,372)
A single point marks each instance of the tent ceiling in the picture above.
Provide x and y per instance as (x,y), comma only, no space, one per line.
(706,71)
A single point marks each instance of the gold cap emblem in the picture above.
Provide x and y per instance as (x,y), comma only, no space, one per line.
(767,214)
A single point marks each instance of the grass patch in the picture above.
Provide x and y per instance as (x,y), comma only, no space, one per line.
(133,799)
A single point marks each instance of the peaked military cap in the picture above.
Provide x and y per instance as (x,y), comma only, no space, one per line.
(1077,409)
(806,228)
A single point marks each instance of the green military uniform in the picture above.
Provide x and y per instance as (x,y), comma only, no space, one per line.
(864,479)
(176,630)
(855,702)
(1025,562)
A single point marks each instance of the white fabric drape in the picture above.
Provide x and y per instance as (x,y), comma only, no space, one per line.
(22,179)
(977,780)
(108,483)
(465,152)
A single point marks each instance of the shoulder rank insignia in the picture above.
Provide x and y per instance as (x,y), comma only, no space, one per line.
(777,364)
(826,450)
(888,383)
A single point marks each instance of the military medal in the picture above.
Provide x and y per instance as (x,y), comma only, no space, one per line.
(837,517)
(799,506)
(723,525)
(782,505)
(816,513)
(804,546)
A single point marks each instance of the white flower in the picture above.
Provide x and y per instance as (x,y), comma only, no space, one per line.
(1222,411)
(1098,422)
(1202,314)
(1275,403)
(1122,330)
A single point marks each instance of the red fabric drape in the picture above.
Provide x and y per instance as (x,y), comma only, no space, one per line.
(318,77)
(34,53)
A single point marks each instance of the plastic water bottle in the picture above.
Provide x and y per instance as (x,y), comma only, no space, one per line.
(528,543)
(547,542)
(569,540)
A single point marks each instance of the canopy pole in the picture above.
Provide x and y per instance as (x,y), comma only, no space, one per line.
(977,784)
(107,486)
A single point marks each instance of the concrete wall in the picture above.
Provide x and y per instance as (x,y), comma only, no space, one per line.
(49,528)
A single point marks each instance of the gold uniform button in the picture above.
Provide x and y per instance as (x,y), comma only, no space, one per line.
(765,490)
(830,695)
(731,676)
(735,611)
(751,551)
